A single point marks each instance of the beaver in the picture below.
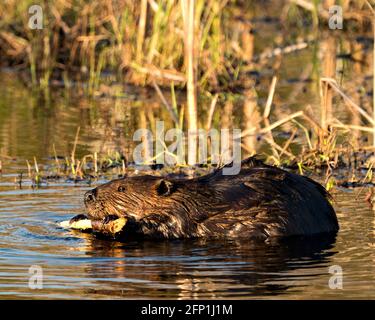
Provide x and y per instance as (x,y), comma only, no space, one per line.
(260,202)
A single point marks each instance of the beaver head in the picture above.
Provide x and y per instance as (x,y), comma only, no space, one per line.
(153,206)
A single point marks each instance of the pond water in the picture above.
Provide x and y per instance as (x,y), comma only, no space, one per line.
(79,266)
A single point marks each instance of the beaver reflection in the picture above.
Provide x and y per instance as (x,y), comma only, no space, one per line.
(204,269)
(259,202)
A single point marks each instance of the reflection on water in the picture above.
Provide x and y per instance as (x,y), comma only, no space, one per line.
(30,124)
(198,269)
(77,265)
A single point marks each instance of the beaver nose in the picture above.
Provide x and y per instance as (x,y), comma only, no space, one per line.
(90,196)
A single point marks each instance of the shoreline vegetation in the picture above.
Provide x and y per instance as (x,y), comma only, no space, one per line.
(193,54)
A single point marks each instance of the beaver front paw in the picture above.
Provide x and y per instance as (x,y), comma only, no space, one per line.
(110,225)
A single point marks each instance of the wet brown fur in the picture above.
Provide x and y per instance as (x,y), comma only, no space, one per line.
(260,202)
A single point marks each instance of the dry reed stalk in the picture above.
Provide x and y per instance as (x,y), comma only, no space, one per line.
(251,118)
(271,93)
(146,150)
(96,162)
(281,121)
(373,73)
(288,142)
(84,162)
(314,124)
(165,151)
(78,170)
(273,125)
(188,14)
(266,113)
(277,147)
(56,159)
(28,168)
(279,51)
(36,166)
(154,6)
(352,127)
(16,45)
(172,75)
(123,166)
(211,111)
(58,19)
(210,116)
(368,148)
(171,111)
(141,30)
(67,163)
(75,146)
(373,69)
(329,71)
(182,116)
(304,4)
(348,100)
(306,131)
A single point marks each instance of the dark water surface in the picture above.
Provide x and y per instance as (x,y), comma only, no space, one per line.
(77,265)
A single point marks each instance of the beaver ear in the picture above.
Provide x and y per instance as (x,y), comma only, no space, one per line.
(164,187)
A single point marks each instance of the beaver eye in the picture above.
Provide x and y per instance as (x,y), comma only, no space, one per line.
(121,189)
